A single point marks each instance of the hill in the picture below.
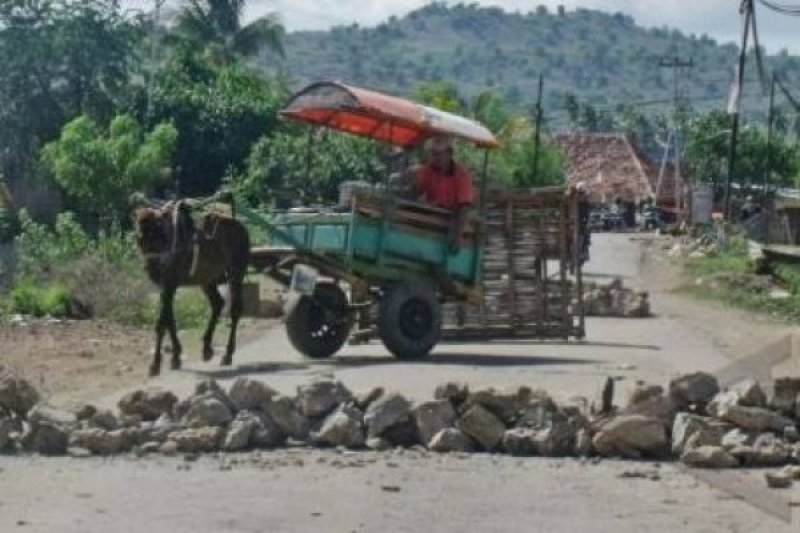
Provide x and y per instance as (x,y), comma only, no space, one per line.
(601,57)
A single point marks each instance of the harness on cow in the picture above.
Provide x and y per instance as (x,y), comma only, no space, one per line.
(197,229)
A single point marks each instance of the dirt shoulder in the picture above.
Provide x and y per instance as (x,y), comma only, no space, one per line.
(73,362)
(736,332)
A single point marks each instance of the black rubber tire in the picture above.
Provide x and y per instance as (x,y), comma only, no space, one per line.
(410,320)
(318,327)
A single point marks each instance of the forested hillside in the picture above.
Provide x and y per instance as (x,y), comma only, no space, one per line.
(601,57)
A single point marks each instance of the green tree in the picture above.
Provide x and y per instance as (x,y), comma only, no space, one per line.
(279,165)
(100,169)
(217,27)
(442,95)
(59,59)
(219,112)
(708,145)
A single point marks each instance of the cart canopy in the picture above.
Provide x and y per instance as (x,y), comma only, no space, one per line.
(381,117)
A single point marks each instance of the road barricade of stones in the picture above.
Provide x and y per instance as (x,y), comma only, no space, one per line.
(615,300)
(692,421)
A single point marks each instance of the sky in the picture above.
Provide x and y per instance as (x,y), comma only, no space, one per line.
(719,19)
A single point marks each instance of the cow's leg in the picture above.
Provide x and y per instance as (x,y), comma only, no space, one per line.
(167,295)
(235,287)
(217,303)
(177,349)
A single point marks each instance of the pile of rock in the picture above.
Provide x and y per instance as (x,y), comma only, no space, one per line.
(615,300)
(693,247)
(693,421)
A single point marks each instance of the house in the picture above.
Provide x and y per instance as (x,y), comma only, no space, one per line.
(609,165)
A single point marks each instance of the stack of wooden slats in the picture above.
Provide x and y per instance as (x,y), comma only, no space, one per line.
(529,247)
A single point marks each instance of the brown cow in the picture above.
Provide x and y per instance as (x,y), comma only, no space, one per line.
(178,254)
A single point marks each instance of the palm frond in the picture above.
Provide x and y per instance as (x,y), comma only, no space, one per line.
(195,24)
(265,32)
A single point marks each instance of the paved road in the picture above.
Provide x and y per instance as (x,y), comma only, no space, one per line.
(323,491)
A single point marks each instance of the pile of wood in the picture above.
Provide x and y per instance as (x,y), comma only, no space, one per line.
(530,270)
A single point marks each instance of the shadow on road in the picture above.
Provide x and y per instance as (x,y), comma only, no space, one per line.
(439,358)
(576,344)
(603,275)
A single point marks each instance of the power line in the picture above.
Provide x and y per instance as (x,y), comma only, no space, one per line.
(784,9)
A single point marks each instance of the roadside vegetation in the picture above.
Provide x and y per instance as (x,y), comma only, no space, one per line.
(732,277)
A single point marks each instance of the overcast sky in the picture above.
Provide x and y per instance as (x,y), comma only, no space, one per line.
(718,18)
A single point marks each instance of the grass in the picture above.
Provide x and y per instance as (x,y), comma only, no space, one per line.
(731,278)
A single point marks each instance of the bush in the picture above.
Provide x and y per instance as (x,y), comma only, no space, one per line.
(102,272)
(28,298)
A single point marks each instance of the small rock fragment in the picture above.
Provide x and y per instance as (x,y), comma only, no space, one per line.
(779,480)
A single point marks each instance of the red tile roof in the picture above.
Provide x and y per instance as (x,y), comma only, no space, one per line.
(608,164)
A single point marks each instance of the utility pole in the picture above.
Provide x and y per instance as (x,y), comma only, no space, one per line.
(677,64)
(735,103)
(538,130)
(770,120)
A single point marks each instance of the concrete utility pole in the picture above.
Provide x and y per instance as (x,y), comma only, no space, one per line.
(679,66)
(735,103)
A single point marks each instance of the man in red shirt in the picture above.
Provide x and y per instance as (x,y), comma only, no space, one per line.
(444,183)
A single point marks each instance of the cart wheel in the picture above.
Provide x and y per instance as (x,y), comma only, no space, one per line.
(410,320)
(318,327)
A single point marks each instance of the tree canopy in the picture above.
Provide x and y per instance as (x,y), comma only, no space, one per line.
(100,169)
